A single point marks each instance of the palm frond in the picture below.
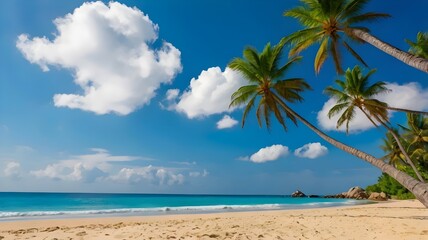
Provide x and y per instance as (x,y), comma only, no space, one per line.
(366,17)
(266,113)
(355,54)
(337,108)
(247,110)
(420,47)
(352,8)
(334,50)
(275,58)
(375,89)
(373,113)
(332,20)
(242,95)
(302,45)
(347,116)
(321,55)
(305,17)
(249,72)
(281,71)
(340,95)
(250,54)
(277,112)
(260,111)
(302,35)
(290,89)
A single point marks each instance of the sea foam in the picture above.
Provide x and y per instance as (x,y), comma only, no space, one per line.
(168,210)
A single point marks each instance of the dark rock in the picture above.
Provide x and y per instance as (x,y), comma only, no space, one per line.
(340,195)
(298,193)
(314,196)
(328,196)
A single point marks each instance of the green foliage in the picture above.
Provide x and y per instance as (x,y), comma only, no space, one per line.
(415,139)
(268,87)
(390,186)
(355,92)
(393,156)
(330,24)
(420,47)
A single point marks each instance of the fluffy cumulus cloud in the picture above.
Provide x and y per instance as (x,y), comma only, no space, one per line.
(266,154)
(12,170)
(101,166)
(155,175)
(410,95)
(311,150)
(87,168)
(110,52)
(226,122)
(208,94)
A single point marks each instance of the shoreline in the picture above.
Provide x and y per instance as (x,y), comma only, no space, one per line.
(296,204)
(397,219)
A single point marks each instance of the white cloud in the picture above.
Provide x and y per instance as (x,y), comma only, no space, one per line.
(266,154)
(87,168)
(169,103)
(359,123)
(12,170)
(226,122)
(109,50)
(410,95)
(311,150)
(155,175)
(209,93)
(168,177)
(172,94)
(199,174)
(101,166)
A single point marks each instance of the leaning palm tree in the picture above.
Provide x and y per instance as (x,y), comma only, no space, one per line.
(355,93)
(273,93)
(332,22)
(420,47)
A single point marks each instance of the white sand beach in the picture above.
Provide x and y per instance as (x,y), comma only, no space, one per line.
(386,220)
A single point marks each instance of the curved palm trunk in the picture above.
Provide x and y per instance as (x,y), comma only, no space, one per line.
(409,59)
(399,109)
(406,156)
(419,189)
(407,110)
(397,139)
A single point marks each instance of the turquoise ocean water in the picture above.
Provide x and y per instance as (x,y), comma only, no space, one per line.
(20,206)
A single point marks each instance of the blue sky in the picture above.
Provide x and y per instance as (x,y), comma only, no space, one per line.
(112,98)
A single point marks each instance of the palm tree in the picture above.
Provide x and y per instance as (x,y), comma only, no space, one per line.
(331,23)
(356,93)
(393,156)
(416,133)
(264,79)
(420,47)
(265,76)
